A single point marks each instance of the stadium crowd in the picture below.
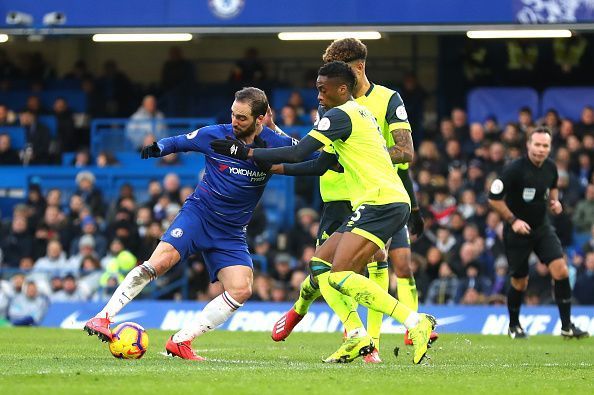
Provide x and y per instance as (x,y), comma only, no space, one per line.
(79,247)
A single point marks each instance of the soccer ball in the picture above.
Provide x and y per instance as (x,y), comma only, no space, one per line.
(129,341)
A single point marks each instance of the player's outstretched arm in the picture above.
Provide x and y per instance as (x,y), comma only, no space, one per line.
(314,167)
(238,150)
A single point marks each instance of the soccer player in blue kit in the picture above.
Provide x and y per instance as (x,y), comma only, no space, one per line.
(213,220)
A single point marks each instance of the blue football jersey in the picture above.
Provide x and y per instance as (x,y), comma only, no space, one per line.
(230,188)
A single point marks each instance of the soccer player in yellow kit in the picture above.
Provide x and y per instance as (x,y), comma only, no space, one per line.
(388,109)
(381,203)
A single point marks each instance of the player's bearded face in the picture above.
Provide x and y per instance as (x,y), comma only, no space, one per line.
(242,120)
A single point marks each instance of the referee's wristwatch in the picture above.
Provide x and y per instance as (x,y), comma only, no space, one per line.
(512,219)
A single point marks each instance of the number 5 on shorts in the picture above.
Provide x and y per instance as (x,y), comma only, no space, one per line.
(357,214)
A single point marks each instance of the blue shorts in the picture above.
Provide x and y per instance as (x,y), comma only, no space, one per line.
(400,239)
(193,231)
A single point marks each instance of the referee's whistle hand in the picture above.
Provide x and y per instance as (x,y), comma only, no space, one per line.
(521,227)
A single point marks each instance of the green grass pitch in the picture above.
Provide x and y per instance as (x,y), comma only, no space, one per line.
(55,361)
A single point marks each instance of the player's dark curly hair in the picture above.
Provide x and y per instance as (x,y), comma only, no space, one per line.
(345,50)
(255,97)
(341,71)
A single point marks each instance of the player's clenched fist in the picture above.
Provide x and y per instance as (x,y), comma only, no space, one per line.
(230,147)
(150,151)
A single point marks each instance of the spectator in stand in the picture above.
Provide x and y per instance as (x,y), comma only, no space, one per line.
(474,287)
(91,195)
(414,95)
(447,132)
(116,89)
(443,206)
(90,275)
(477,137)
(33,105)
(172,186)
(492,128)
(27,308)
(586,123)
(170,160)
(249,70)
(8,155)
(430,159)
(262,288)
(147,120)
(86,247)
(540,284)
(569,190)
(584,168)
(501,281)
(296,102)
(177,82)
(454,153)
(281,271)
(552,121)
(289,117)
(455,181)
(106,159)
(82,158)
(496,159)
(583,216)
(565,130)
(443,289)
(300,234)
(17,243)
(511,135)
(54,263)
(79,72)
(7,117)
(38,140)
(584,285)
(459,119)
(67,134)
(70,291)
(525,120)
(150,240)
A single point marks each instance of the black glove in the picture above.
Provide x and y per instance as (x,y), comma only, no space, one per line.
(416,223)
(230,147)
(150,151)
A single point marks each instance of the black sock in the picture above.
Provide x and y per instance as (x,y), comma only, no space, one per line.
(563,299)
(514,301)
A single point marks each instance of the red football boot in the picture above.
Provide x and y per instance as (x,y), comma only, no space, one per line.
(182,350)
(284,326)
(373,357)
(433,338)
(100,327)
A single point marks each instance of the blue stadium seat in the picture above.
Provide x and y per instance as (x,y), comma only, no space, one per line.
(17,135)
(50,122)
(503,103)
(569,102)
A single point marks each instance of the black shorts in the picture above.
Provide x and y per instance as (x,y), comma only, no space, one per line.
(377,223)
(333,216)
(543,241)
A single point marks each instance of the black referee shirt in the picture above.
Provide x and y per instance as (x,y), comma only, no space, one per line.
(525,188)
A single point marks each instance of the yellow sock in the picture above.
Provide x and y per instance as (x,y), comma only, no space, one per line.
(344,306)
(378,273)
(369,294)
(407,293)
(308,292)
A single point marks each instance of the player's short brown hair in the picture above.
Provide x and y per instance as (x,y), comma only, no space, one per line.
(345,50)
(255,97)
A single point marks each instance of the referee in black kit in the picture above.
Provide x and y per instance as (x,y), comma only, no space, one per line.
(521,195)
